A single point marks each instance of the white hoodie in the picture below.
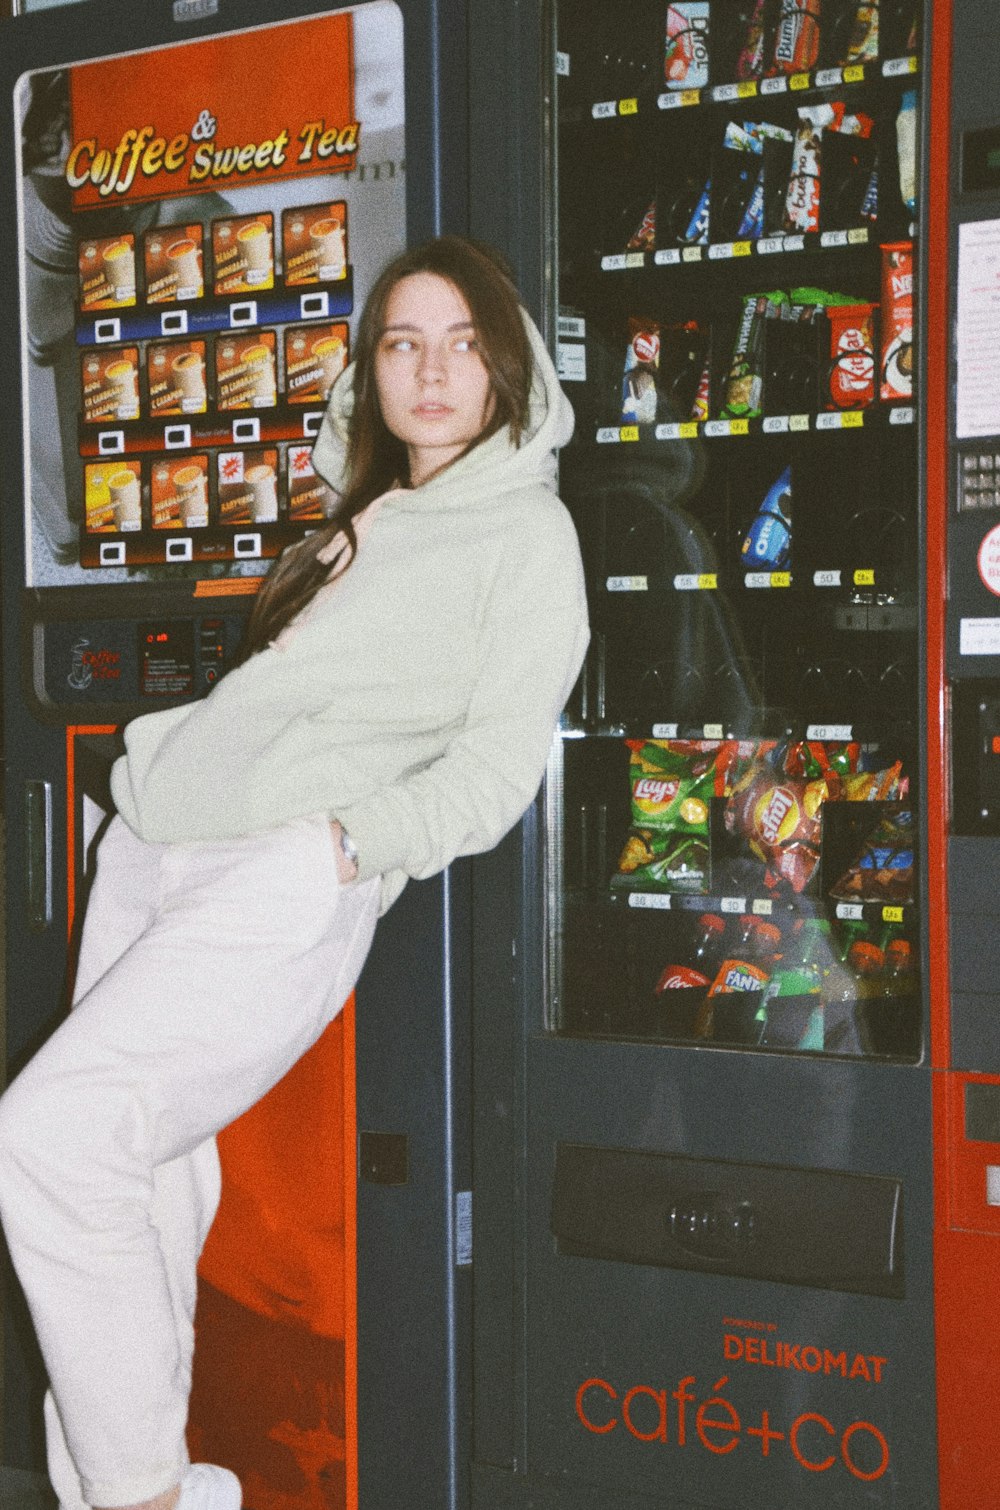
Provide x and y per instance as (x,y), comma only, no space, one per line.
(416,701)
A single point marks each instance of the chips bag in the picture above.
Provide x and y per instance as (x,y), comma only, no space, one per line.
(672,783)
(883,871)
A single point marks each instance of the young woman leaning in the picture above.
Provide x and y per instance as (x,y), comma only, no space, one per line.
(404,672)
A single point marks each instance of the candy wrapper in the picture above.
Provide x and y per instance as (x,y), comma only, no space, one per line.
(672,784)
(750,63)
(796,43)
(642,363)
(883,871)
(748,182)
(896,355)
(862,46)
(906,149)
(685,58)
(696,232)
(802,206)
(852,356)
(780,816)
(745,379)
(767,544)
(643,239)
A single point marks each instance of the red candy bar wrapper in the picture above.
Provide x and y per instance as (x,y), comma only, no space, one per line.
(896,354)
(685,59)
(852,356)
(644,238)
(750,64)
(796,43)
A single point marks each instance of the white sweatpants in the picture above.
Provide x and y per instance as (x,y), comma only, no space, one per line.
(206,971)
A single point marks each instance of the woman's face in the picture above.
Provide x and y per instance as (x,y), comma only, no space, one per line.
(433,387)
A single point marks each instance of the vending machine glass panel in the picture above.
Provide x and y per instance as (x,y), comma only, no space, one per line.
(734,815)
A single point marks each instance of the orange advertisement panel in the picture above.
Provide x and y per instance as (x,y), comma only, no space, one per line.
(214,114)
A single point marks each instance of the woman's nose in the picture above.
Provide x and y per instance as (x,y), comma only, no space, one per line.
(430,368)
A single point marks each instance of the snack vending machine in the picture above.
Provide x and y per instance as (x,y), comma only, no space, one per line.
(740,1159)
(197,198)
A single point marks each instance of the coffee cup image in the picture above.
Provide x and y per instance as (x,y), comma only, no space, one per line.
(255,249)
(192,496)
(258,366)
(123,382)
(119,269)
(184,261)
(327,238)
(331,354)
(189,376)
(263,486)
(126,499)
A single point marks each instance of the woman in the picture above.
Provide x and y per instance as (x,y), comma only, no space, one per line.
(405,669)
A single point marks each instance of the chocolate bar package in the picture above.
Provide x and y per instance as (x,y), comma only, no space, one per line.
(796,43)
(896,349)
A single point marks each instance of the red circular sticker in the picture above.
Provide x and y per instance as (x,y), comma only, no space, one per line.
(988,560)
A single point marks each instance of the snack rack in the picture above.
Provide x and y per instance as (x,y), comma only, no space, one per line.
(743,756)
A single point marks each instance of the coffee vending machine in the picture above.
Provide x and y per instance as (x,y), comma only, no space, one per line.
(198,196)
(737,1162)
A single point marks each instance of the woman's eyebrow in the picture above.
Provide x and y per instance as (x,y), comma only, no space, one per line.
(459,325)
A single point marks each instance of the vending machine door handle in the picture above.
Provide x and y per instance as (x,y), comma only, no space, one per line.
(711,1226)
(38,836)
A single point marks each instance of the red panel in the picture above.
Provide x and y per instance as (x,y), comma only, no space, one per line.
(966,1248)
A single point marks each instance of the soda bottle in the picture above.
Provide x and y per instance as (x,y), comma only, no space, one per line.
(705,957)
(792,1006)
(743,975)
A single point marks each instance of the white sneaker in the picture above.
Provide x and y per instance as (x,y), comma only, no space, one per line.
(206,1487)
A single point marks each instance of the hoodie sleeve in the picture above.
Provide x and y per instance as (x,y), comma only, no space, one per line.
(464,801)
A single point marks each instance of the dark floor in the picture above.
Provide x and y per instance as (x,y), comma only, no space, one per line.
(24,1491)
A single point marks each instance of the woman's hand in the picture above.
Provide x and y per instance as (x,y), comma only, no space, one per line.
(347,870)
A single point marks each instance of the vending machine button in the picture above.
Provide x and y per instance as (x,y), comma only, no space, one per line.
(314,306)
(244,313)
(174,323)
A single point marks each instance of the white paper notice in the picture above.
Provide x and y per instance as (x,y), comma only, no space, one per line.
(977,403)
(979,637)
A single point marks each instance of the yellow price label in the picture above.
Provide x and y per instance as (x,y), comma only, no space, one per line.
(892,914)
(708,580)
(854,74)
(691,97)
(739,427)
(864,577)
(799,81)
(742,248)
(688,430)
(914,64)
(628,107)
(852,419)
(781,579)
(746,90)
(628,432)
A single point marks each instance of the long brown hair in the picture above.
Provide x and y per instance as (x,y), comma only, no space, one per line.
(375,459)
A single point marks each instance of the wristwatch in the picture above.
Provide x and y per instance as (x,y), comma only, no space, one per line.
(348,848)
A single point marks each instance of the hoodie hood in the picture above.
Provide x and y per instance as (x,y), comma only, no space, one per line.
(494,468)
